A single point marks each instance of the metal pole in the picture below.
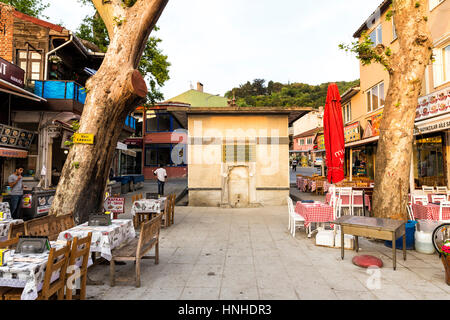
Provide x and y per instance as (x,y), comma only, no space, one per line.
(350,165)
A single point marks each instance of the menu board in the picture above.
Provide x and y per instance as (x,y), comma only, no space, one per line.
(44,203)
(433,104)
(15,137)
(376,121)
(115,205)
(352,132)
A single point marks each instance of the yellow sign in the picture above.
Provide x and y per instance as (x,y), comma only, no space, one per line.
(83,138)
(107,212)
(352,132)
(321,142)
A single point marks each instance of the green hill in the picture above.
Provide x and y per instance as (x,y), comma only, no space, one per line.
(259,94)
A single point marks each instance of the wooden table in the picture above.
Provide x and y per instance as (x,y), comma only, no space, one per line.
(384,229)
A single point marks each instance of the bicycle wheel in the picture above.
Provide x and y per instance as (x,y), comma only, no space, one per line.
(441,235)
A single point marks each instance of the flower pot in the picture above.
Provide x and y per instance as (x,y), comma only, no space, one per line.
(446,262)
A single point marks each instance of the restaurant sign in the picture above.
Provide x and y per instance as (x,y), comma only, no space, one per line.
(352,132)
(11,73)
(434,104)
(438,125)
(83,138)
(15,138)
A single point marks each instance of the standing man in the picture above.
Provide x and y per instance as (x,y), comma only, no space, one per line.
(15,182)
(161,174)
(294,165)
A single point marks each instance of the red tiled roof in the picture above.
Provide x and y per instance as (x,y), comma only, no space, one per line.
(37,21)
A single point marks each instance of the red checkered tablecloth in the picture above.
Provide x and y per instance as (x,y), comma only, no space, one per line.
(346,200)
(314,212)
(429,212)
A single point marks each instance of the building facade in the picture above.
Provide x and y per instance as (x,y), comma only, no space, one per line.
(363,106)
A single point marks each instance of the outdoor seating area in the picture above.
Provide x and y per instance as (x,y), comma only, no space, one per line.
(74,247)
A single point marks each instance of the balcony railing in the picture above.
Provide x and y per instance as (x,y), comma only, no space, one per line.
(130,122)
(60,89)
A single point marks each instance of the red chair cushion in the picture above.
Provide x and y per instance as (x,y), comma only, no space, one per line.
(366,261)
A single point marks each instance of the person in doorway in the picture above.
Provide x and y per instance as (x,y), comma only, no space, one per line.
(294,165)
(161,175)
(16,184)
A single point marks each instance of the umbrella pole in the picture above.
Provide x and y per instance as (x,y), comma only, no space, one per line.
(350,165)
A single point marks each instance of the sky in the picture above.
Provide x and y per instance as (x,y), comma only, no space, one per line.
(223,44)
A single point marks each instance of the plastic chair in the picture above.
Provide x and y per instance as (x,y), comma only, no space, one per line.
(410,212)
(427,189)
(438,198)
(444,204)
(346,192)
(356,193)
(295,220)
(441,190)
(420,198)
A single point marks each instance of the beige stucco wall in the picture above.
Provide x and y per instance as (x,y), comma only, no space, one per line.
(269,172)
(374,73)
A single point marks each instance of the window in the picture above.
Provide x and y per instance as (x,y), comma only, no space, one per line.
(441,65)
(347,112)
(309,141)
(238,153)
(301,142)
(165,154)
(31,64)
(158,121)
(434,3)
(376,36)
(375,97)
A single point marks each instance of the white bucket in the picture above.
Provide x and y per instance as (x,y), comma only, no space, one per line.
(424,242)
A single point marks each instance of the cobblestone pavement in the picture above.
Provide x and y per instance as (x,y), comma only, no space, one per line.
(214,253)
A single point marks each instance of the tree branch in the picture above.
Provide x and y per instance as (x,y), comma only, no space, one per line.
(110,11)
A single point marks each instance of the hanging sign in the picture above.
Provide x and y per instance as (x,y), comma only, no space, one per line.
(83,138)
(376,121)
(115,205)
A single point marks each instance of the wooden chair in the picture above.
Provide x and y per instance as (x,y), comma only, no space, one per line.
(80,249)
(172,210)
(16,230)
(38,227)
(137,248)
(57,262)
(66,221)
(320,186)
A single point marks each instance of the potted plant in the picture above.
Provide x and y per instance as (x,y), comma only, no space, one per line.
(445,256)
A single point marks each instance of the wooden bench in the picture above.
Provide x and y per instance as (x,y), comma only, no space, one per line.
(136,249)
(16,230)
(50,226)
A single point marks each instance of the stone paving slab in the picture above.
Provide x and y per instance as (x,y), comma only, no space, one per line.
(239,254)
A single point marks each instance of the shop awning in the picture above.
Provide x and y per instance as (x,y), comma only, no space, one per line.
(17,91)
(362,142)
(13,153)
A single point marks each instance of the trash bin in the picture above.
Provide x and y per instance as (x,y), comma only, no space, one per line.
(424,236)
(410,231)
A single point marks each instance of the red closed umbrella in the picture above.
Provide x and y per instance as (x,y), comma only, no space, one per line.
(334,135)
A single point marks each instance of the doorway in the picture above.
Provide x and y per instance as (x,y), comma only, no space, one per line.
(238,187)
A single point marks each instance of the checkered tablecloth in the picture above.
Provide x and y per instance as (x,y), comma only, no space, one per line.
(314,212)
(5,225)
(148,206)
(104,239)
(346,200)
(429,212)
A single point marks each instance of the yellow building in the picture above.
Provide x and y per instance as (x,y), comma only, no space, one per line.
(363,106)
(238,157)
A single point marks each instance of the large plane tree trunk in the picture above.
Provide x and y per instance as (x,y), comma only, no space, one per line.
(112,93)
(406,68)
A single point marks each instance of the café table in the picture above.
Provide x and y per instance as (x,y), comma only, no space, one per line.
(429,212)
(5,225)
(378,228)
(4,207)
(28,271)
(104,238)
(314,213)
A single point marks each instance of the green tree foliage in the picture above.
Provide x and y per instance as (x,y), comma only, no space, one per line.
(30,7)
(257,94)
(154,65)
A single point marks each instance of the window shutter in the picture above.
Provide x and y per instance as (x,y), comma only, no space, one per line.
(438,67)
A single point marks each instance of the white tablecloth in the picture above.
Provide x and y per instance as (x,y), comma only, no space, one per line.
(148,206)
(104,239)
(4,207)
(28,275)
(5,225)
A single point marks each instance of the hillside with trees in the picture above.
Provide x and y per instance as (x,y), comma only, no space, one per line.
(260,94)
